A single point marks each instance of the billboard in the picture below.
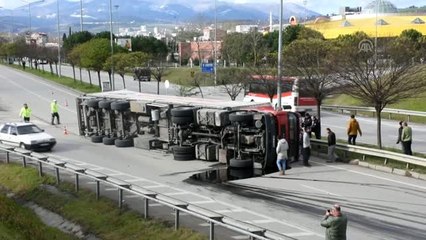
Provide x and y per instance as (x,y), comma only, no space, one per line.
(125,43)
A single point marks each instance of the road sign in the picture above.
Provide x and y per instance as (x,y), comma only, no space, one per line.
(207,68)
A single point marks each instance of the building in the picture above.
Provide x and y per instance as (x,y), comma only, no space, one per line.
(246,28)
(36,38)
(199,50)
(381,7)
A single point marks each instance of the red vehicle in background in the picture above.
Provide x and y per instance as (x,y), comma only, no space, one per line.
(263,89)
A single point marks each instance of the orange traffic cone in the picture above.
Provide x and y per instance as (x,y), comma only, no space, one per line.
(65,130)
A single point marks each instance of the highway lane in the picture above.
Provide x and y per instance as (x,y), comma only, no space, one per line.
(379,204)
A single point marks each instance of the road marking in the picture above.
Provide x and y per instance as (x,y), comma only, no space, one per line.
(319,190)
(115,174)
(299,234)
(175,193)
(156,205)
(91,183)
(261,221)
(229,210)
(239,237)
(132,196)
(111,189)
(134,180)
(153,186)
(373,176)
(202,202)
(97,169)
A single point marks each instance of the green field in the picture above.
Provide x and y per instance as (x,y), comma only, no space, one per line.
(102,217)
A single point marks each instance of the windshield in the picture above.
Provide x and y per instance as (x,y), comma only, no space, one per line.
(28,129)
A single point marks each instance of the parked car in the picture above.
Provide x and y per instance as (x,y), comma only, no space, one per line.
(26,135)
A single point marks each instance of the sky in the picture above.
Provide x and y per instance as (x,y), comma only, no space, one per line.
(321,6)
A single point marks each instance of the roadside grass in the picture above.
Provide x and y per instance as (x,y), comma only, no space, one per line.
(17,222)
(182,76)
(66,81)
(101,217)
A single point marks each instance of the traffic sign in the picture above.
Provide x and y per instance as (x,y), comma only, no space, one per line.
(207,68)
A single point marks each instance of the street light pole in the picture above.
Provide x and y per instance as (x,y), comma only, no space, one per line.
(59,39)
(81,15)
(280,41)
(118,18)
(112,44)
(215,43)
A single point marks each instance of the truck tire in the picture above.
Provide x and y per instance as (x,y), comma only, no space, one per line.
(105,104)
(240,173)
(183,112)
(241,163)
(182,120)
(109,140)
(120,105)
(183,153)
(124,142)
(92,103)
(241,117)
(96,139)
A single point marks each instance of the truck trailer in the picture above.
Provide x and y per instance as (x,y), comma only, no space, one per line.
(232,132)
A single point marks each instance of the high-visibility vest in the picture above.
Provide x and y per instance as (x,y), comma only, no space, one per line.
(25,112)
(54,107)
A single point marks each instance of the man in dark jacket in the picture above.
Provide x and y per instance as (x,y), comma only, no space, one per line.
(335,223)
(400,134)
(331,140)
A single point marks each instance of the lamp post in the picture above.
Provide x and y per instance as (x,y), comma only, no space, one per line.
(59,39)
(215,44)
(280,43)
(375,38)
(112,45)
(81,15)
(29,10)
(117,17)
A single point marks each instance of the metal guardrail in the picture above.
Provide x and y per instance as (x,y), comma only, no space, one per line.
(364,151)
(389,111)
(213,218)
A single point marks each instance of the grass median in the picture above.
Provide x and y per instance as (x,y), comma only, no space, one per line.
(101,218)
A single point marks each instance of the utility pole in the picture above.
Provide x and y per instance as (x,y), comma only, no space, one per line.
(215,43)
(280,43)
(59,39)
(81,15)
(112,45)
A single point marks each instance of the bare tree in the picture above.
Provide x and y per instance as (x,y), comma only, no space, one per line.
(158,70)
(378,78)
(264,79)
(308,59)
(233,81)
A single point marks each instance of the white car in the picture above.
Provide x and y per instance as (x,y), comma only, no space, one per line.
(26,135)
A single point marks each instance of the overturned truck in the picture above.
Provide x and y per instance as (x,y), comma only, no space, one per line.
(236,133)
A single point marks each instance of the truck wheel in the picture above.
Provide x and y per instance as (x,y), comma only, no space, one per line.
(106,104)
(241,117)
(124,142)
(183,112)
(241,163)
(182,120)
(120,105)
(109,140)
(96,139)
(241,173)
(183,153)
(92,103)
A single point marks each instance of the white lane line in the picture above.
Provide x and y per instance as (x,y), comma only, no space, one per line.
(134,180)
(202,202)
(320,190)
(97,169)
(298,234)
(156,205)
(114,174)
(175,193)
(153,186)
(91,183)
(373,176)
(111,189)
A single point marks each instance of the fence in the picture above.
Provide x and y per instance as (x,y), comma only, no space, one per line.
(364,151)
(389,111)
(213,218)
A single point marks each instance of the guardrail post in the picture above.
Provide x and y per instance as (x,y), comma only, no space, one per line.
(390,116)
(77,183)
(120,198)
(408,118)
(40,169)
(407,166)
(176,219)
(24,162)
(386,161)
(363,157)
(146,207)
(58,179)
(97,190)
(7,158)
(211,231)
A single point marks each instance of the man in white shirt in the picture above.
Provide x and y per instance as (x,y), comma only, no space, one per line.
(306,151)
(282,147)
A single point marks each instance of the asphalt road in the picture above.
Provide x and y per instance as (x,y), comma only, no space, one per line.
(379,205)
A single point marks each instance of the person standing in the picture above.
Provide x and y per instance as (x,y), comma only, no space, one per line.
(282,147)
(400,134)
(316,127)
(307,123)
(331,140)
(407,138)
(353,130)
(306,151)
(54,107)
(25,113)
(335,224)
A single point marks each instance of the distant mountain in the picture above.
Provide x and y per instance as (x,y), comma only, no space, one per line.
(138,12)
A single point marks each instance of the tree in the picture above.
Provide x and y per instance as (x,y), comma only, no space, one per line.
(158,70)
(94,54)
(150,45)
(234,48)
(75,39)
(308,59)
(265,79)
(104,35)
(379,79)
(257,46)
(233,80)
(74,58)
